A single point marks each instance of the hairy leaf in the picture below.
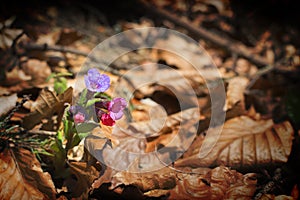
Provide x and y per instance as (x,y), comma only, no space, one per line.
(243,142)
(21,176)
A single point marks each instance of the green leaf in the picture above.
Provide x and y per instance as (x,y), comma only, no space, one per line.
(93,101)
(68,128)
(82,98)
(83,135)
(52,75)
(86,127)
(60,85)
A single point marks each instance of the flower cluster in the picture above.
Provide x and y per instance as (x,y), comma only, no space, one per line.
(107,110)
(111,111)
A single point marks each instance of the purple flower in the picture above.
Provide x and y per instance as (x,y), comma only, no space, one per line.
(96,82)
(116,107)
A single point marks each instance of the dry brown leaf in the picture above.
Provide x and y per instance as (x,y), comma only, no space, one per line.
(273,197)
(128,148)
(243,142)
(235,92)
(120,151)
(185,121)
(157,193)
(191,55)
(45,106)
(38,70)
(8,35)
(79,186)
(50,38)
(219,183)
(164,178)
(7,103)
(21,176)
(68,36)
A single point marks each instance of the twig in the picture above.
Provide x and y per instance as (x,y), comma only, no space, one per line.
(46,47)
(229,44)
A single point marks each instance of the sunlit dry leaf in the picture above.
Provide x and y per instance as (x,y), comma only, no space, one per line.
(49,38)
(162,179)
(219,183)
(7,103)
(38,70)
(235,92)
(243,142)
(184,120)
(157,193)
(21,176)
(7,35)
(46,105)
(244,67)
(116,147)
(127,146)
(68,36)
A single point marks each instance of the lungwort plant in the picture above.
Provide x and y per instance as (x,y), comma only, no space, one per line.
(94,108)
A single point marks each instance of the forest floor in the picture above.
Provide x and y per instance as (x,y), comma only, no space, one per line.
(209,103)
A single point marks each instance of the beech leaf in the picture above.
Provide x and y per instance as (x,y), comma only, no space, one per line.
(45,106)
(235,92)
(21,176)
(161,179)
(219,183)
(243,142)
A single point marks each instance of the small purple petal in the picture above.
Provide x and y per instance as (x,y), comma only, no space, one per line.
(116,107)
(116,116)
(103,82)
(96,82)
(117,104)
(93,74)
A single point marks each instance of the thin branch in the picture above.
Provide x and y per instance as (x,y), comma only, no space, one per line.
(46,47)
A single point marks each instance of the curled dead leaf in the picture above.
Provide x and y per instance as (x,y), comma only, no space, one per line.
(219,183)
(38,70)
(161,179)
(45,106)
(21,176)
(8,35)
(235,92)
(79,186)
(243,143)
(7,103)
(126,147)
